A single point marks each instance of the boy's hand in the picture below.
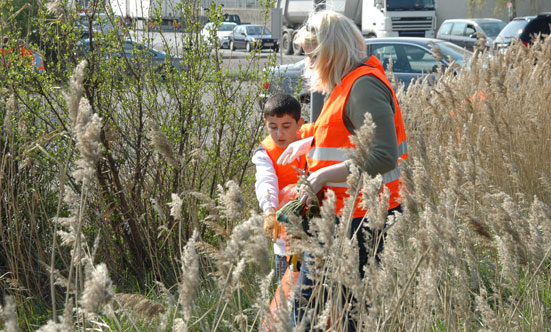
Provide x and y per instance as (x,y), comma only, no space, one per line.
(294,150)
(269,224)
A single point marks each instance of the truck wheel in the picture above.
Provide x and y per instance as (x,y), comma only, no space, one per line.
(232,46)
(297,49)
(286,47)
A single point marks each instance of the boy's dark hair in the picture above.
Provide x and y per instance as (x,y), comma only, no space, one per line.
(281,104)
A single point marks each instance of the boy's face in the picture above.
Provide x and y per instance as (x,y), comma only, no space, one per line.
(283,129)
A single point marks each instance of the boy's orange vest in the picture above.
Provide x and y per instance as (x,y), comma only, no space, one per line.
(287,175)
(331,136)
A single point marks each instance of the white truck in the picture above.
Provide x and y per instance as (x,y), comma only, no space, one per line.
(145,11)
(375,18)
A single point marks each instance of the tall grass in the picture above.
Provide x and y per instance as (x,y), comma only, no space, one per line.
(104,184)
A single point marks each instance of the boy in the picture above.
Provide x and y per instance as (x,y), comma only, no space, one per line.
(283,122)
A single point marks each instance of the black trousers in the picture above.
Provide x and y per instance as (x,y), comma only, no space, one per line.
(373,239)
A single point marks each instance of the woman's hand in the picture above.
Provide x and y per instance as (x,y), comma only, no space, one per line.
(294,150)
(318,179)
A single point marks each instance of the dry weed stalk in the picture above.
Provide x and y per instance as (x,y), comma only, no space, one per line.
(161,143)
(140,306)
(98,289)
(187,289)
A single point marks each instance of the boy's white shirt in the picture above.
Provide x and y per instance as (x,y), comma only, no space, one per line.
(267,189)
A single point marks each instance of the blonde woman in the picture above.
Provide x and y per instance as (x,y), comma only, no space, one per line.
(355,85)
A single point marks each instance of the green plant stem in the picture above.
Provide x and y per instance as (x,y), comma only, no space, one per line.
(520,299)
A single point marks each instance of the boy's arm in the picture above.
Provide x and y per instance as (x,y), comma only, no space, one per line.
(266,184)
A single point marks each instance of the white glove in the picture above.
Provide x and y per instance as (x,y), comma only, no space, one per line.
(294,150)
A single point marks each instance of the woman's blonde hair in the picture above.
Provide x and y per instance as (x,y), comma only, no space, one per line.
(337,47)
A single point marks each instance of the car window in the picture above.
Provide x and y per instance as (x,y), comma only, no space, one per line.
(257,30)
(394,53)
(456,53)
(458,29)
(469,30)
(253,30)
(446,28)
(492,29)
(513,29)
(384,53)
(420,60)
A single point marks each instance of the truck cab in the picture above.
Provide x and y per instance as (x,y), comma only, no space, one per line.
(398,18)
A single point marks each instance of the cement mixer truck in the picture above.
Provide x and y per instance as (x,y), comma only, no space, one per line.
(375,18)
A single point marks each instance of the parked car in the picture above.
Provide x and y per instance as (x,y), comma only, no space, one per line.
(539,25)
(249,36)
(411,57)
(222,31)
(287,78)
(134,51)
(511,32)
(463,32)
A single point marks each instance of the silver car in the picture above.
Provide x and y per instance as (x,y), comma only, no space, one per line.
(465,32)
(222,32)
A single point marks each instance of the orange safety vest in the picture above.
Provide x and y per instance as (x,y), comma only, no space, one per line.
(331,136)
(287,175)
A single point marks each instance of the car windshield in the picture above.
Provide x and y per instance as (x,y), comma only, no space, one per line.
(257,30)
(226,27)
(513,29)
(457,53)
(409,4)
(492,29)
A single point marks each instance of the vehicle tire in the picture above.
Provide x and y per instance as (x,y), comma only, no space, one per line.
(286,43)
(297,49)
(232,46)
(248,47)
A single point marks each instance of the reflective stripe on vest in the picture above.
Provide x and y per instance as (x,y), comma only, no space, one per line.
(388,177)
(341,154)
